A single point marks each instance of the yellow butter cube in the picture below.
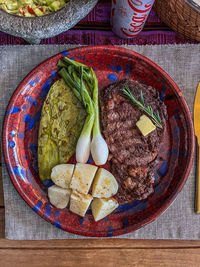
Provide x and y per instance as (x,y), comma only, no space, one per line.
(79,203)
(83,177)
(145,125)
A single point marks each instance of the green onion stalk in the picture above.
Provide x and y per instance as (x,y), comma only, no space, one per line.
(83,144)
(99,147)
(83,82)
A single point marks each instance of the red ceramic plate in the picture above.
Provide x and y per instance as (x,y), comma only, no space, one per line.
(111,64)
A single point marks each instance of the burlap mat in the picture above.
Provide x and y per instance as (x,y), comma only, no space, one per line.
(182,63)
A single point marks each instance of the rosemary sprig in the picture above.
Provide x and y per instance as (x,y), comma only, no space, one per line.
(155,117)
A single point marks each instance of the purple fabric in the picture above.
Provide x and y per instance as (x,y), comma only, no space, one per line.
(95,30)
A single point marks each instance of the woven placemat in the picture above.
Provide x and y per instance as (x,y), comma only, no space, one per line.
(182,63)
(180,16)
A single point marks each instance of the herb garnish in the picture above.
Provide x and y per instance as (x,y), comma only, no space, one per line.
(148,109)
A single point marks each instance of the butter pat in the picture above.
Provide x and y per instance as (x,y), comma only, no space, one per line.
(145,125)
(79,203)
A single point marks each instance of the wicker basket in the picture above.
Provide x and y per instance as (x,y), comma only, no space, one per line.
(180,16)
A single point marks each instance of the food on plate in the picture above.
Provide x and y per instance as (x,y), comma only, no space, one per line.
(84,84)
(145,125)
(155,115)
(99,147)
(73,74)
(31,8)
(59,197)
(61,124)
(61,174)
(102,207)
(132,156)
(79,203)
(83,177)
(104,184)
(134,121)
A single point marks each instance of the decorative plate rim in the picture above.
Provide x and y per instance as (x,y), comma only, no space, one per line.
(168,201)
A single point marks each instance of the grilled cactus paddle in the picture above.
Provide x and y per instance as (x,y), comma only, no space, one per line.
(61,124)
